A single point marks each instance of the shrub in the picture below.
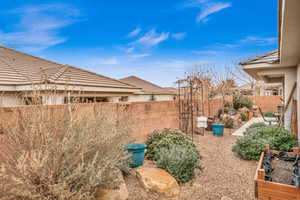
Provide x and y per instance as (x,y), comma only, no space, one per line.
(269,114)
(223,110)
(180,161)
(249,148)
(258,135)
(241,102)
(257,125)
(166,139)
(60,155)
(228,122)
(283,141)
(244,116)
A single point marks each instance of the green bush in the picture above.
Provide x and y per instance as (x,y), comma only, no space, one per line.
(257,125)
(180,161)
(249,148)
(258,135)
(269,114)
(166,139)
(241,102)
(223,110)
(244,116)
(283,141)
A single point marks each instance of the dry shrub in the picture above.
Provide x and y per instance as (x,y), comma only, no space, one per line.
(61,153)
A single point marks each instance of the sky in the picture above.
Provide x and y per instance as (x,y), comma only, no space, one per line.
(157,40)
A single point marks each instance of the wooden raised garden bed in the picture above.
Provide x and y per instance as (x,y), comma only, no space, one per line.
(267,190)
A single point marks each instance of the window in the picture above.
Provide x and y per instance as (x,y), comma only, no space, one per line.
(152,97)
(123,99)
(32,100)
(85,99)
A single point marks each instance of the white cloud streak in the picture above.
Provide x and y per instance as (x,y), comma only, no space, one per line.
(179,36)
(207,8)
(135,32)
(39,26)
(210,9)
(152,38)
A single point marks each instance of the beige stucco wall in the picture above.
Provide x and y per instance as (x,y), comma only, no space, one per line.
(147,97)
(144,97)
(10,100)
(290,78)
(298,99)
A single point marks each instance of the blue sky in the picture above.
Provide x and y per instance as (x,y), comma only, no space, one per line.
(157,40)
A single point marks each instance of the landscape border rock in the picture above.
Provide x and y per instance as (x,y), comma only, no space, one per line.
(158,180)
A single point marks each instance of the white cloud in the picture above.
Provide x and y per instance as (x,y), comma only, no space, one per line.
(138,56)
(108,61)
(251,40)
(207,8)
(127,49)
(210,9)
(179,36)
(135,32)
(260,41)
(152,38)
(39,26)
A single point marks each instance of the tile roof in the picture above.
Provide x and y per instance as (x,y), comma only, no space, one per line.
(147,87)
(18,68)
(270,58)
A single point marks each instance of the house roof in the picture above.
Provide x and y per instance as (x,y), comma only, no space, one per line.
(147,87)
(17,68)
(270,58)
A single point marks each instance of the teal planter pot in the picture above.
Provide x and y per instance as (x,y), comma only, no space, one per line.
(218,129)
(137,152)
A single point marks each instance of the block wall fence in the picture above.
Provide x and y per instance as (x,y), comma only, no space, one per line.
(143,117)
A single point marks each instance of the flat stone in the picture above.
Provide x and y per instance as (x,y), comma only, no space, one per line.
(114,194)
(158,180)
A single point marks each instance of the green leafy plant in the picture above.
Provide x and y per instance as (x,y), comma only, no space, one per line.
(269,114)
(257,125)
(166,139)
(180,161)
(258,135)
(223,110)
(241,102)
(244,116)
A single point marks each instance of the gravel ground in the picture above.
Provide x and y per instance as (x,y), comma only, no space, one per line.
(224,174)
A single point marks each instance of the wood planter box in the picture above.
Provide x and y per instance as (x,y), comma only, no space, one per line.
(266,190)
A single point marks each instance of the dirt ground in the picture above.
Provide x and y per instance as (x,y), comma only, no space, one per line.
(224,174)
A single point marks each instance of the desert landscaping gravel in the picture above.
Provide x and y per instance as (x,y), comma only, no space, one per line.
(224,175)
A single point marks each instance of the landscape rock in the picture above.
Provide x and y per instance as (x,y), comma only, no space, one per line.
(158,180)
(225,198)
(114,194)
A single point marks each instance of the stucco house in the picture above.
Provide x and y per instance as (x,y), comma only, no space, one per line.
(149,92)
(283,64)
(25,79)
(259,88)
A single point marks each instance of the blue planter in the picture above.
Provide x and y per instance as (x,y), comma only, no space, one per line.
(137,154)
(218,129)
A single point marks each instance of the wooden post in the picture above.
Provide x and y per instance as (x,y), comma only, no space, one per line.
(261,174)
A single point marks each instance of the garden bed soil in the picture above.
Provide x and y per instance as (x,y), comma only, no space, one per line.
(282,171)
(224,174)
(271,190)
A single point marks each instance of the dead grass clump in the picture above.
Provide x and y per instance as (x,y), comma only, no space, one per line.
(60,154)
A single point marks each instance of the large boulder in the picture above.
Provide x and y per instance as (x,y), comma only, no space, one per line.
(158,180)
(114,194)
